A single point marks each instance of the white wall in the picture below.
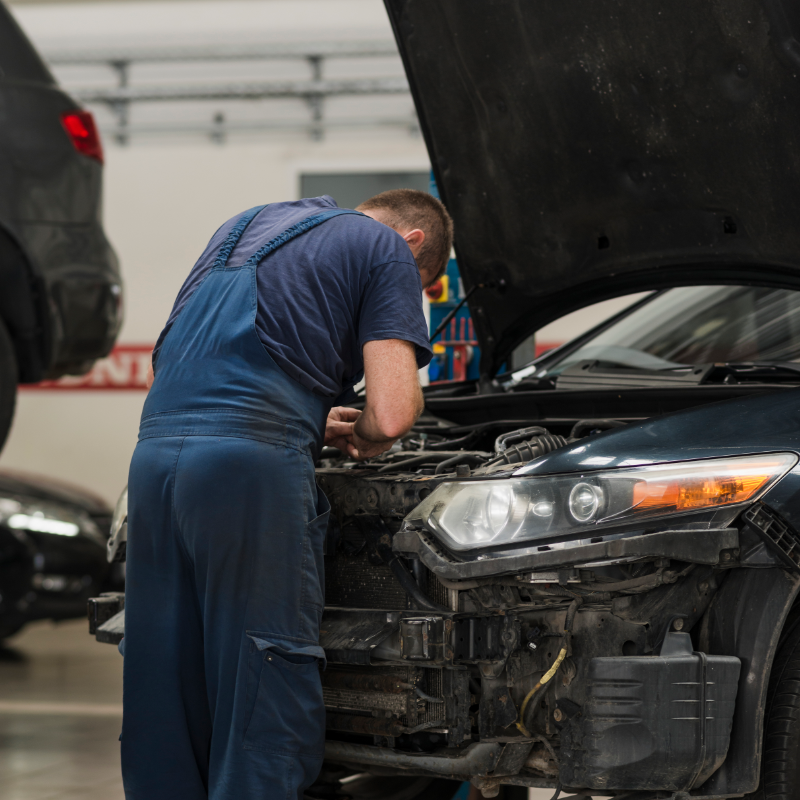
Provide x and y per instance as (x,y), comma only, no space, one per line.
(162,203)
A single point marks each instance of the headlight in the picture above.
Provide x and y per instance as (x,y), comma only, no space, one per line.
(118,540)
(43,517)
(469,514)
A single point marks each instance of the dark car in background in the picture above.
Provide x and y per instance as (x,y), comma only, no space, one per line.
(52,550)
(60,286)
(585,573)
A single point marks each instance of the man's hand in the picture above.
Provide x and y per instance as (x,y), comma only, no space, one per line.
(394,397)
(339,429)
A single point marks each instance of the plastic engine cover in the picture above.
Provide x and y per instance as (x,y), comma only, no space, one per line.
(642,726)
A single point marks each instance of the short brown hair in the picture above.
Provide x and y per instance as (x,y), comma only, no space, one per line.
(411,208)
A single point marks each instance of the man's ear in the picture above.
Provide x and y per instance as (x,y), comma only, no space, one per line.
(414,240)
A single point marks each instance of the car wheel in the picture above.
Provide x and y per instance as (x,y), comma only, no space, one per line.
(8,383)
(780,760)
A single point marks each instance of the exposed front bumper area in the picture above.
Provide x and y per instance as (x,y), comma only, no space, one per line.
(528,677)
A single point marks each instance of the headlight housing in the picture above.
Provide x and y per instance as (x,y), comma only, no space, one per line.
(488,513)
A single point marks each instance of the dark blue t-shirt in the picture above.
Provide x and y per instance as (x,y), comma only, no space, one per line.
(324,294)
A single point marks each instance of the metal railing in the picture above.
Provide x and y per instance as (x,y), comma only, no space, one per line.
(312,91)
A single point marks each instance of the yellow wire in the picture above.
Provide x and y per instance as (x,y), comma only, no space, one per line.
(546,678)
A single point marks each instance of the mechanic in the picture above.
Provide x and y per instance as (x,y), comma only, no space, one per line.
(285,310)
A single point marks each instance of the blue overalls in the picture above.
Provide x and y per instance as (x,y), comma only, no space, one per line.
(224,591)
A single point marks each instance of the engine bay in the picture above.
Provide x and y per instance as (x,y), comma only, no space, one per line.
(422,663)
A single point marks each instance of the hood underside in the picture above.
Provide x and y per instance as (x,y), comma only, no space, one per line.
(593,148)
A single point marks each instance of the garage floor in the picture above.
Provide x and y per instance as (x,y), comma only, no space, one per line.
(60,716)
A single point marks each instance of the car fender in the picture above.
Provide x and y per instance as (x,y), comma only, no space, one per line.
(23,307)
(746,619)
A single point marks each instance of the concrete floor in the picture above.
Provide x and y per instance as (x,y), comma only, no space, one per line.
(60,716)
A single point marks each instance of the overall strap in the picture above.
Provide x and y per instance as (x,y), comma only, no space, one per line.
(294,231)
(234,235)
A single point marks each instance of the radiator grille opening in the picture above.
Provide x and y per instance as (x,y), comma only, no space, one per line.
(355,578)
(353,581)
(363,691)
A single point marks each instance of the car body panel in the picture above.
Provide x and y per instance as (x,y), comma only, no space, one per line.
(735,427)
(746,619)
(45,576)
(51,213)
(586,150)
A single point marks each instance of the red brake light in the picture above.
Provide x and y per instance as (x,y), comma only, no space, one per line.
(83,133)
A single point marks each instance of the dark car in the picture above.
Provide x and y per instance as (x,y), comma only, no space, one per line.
(585,573)
(52,550)
(60,287)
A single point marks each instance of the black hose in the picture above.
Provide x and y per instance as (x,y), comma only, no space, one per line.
(377,534)
(397,466)
(528,450)
(459,459)
(451,444)
(571,612)
(505,440)
(406,580)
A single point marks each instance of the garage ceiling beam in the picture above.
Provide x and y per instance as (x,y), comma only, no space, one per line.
(218,129)
(229,52)
(244,91)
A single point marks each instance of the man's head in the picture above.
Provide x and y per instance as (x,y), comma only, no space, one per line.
(422,221)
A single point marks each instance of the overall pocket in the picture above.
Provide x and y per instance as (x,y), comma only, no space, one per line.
(286,713)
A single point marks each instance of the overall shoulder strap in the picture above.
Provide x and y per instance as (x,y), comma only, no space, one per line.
(234,235)
(295,231)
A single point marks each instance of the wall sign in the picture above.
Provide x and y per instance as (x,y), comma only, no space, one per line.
(127,367)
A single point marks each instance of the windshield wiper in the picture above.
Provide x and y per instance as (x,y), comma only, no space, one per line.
(599,374)
(755,372)
(606,375)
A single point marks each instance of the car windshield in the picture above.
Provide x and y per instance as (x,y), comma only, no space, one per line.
(699,325)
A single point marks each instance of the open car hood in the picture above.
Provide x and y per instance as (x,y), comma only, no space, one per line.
(592,148)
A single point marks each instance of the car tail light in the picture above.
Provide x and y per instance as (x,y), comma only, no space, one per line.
(81,128)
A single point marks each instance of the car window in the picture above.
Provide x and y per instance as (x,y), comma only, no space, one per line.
(700,325)
(18,58)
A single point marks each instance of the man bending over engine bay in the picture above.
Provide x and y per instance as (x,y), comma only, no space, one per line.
(287,307)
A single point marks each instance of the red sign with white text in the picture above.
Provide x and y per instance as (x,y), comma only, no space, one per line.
(127,366)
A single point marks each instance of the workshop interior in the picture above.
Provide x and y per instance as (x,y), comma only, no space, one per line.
(577,573)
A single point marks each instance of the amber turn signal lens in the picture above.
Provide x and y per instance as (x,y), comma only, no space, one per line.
(702,491)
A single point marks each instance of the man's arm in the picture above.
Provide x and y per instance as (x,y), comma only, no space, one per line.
(394,396)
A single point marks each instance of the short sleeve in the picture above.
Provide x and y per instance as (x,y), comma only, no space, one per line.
(392,308)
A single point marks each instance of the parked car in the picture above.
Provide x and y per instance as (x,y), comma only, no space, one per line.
(52,550)
(60,286)
(584,574)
